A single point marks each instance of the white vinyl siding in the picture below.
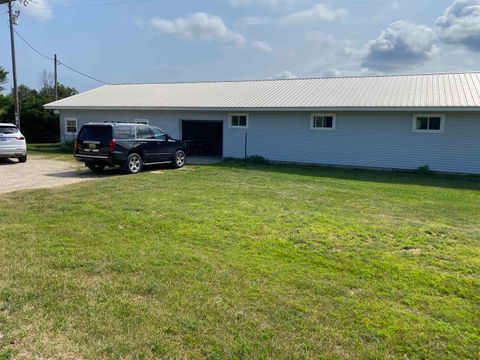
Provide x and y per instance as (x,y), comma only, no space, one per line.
(366,139)
(377,140)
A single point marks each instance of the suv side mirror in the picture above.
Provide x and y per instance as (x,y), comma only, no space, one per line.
(168,137)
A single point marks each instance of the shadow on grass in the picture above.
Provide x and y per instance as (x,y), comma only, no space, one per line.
(85,174)
(108,172)
(468,182)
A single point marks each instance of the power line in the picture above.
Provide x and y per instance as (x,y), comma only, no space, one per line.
(124,36)
(105,4)
(94,5)
(81,73)
(31,47)
(110,39)
(59,62)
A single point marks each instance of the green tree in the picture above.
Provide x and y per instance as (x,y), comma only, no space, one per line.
(3,78)
(38,125)
(4,99)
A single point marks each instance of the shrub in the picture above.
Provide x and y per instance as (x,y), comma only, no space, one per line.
(424,170)
(257,159)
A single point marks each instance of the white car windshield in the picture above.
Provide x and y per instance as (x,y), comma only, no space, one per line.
(8,130)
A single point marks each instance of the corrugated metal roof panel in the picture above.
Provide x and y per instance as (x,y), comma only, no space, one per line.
(454,90)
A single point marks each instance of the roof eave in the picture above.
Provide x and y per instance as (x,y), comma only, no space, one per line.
(273,109)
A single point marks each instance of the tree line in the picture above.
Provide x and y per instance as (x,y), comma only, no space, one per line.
(38,125)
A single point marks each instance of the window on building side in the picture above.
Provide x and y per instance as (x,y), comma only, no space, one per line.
(238,120)
(71,125)
(323,122)
(428,123)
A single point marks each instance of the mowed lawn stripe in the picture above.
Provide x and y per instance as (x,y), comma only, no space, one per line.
(224,262)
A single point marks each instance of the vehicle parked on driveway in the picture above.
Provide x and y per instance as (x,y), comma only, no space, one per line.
(130,146)
(12,143)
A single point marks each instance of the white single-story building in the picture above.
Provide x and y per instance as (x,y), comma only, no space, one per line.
(401,122)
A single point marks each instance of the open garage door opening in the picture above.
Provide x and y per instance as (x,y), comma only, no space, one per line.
(203,138)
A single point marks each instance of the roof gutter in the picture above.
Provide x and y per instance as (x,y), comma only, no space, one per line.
(268,109)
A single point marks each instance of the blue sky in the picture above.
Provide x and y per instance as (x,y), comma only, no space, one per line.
(192,40)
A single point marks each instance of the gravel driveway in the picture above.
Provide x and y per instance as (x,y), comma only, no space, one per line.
(39,172)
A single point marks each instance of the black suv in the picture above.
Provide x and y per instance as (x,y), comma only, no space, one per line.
(129,146)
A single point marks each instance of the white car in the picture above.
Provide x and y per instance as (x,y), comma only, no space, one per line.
(12,143)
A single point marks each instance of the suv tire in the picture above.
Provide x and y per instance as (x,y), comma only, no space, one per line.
(96,167)
(134,163)
(179,159)
(22,159)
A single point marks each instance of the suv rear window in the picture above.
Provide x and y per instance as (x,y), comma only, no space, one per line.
(96,133)
(8,129)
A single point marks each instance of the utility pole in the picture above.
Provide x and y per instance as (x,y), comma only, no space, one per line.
(55,76)
(14,64)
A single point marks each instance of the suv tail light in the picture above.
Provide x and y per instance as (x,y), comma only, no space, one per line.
(19,137)
(112,145)
(77,144)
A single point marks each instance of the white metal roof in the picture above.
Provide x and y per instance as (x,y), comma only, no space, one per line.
(452,91)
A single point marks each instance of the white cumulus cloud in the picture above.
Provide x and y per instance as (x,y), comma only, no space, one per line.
(284,75)
(199,26)
(39,10)
(268,3)
(401,45)
(334,46)
(262,46)
(318,12)
(460,24)
(333,72)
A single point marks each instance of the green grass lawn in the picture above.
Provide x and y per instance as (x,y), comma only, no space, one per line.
(224,262)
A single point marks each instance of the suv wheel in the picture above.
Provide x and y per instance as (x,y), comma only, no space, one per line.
(179,160)
(96,167)
(22,159)
(134,163)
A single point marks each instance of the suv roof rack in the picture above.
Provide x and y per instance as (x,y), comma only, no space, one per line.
(111,123)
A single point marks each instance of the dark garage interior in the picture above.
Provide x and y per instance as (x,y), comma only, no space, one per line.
(204,138)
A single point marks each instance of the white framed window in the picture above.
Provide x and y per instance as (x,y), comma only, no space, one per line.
(141,121)
(238,121)
(323,121)
(428,123)
(71,125)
